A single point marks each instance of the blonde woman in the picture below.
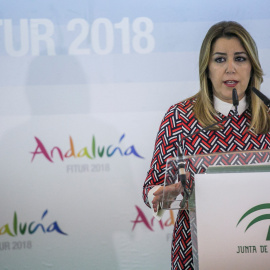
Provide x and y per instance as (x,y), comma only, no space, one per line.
(228,60)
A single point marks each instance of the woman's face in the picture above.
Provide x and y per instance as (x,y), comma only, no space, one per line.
(229,67)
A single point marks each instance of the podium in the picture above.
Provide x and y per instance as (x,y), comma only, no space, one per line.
(228,198)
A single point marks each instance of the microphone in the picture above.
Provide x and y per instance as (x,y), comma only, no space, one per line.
(181,164)
(265,99)
(235,99)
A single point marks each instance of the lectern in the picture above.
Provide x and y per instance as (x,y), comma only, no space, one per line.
(228,198)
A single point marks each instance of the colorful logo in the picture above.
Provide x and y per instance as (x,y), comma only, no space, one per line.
(92,152)
(142,219)
(21,228)
(259,218)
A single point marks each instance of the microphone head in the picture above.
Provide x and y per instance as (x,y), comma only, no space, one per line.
(235,98)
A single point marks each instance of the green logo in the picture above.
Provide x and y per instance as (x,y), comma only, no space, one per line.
(257,219)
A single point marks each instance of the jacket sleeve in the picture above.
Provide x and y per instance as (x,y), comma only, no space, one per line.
(166,143)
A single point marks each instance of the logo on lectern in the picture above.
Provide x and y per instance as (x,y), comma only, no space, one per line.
(258,218)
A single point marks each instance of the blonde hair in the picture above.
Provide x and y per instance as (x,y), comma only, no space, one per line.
(203,108)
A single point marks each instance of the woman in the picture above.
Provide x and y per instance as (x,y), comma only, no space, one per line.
(228,60)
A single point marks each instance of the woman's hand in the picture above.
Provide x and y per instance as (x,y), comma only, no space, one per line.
(169,192)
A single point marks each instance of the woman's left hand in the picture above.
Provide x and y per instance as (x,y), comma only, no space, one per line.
(169,192)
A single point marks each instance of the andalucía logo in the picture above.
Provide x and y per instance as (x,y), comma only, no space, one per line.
(259,218)
(141,218)
(20,228)
(91,152)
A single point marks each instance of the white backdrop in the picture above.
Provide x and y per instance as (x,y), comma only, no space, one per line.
(84,86)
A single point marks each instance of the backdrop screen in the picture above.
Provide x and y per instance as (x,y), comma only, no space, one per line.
(84,86)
